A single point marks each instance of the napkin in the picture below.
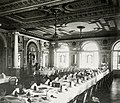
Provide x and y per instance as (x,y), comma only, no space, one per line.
(34,85)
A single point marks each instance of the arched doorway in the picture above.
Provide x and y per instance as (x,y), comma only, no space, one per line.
(89,55)
(32,56)
(62,56)
(116,55)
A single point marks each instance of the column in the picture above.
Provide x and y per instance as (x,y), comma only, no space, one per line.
(16,67)
(16,50)
(40,54)
(23,52)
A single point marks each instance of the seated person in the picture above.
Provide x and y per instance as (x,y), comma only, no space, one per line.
(19,90)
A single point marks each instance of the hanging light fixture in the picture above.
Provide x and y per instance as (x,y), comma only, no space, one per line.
(55,36)
(74,43)
(80,28)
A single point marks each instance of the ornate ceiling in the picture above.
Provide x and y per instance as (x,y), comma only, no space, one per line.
(37,18)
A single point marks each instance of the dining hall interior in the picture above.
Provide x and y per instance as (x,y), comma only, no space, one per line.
(59,51)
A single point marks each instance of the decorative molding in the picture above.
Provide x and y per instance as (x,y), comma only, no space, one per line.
(26,5)
(64,18)
(26,14)
(84,4)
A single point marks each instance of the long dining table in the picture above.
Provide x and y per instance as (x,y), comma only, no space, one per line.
(48,94)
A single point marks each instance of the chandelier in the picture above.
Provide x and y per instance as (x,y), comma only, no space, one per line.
(55,36)
(74,44)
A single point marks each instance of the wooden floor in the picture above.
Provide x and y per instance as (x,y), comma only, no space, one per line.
(110,95)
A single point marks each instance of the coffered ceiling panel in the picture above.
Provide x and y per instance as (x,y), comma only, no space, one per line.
(84,4)
(32,14)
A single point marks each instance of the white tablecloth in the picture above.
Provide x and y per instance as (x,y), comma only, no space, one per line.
(4,80)
(66,95)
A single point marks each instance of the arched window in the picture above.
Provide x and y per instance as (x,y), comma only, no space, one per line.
(89,56)
(116,55)
(62,56)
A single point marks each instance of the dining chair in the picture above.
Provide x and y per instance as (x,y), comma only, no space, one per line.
(13,80)
(82,97)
